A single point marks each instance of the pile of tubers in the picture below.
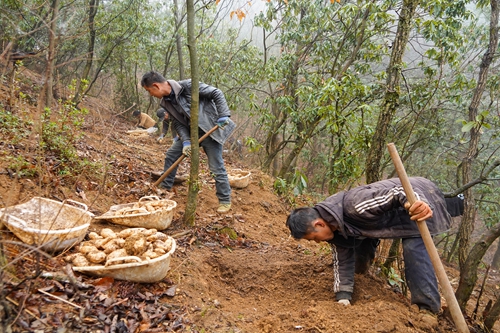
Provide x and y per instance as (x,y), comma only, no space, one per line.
(143,207)
(138,132)
(110,248)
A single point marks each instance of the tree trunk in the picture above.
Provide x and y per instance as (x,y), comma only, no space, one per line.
(468,274)
(467,225)
(93,6)
(272,144)
(393,254)
(194,185)
(46,93)
(301,141)
(491,316)
(178,40)
(495,263)
(391,98)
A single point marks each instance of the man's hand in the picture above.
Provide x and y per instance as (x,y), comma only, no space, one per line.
(160,138)
(186,148)
(344,302)
(419,211)
(222,122)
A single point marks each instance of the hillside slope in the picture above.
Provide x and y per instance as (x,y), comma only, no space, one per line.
(237,272)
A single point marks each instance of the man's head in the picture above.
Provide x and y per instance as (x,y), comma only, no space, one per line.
(305,223)
(136,113)
(160,113)
(155,84)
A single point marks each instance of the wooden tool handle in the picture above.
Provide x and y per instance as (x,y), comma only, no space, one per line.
(448,292)
(179,160)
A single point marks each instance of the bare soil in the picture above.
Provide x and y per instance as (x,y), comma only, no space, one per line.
(235,272)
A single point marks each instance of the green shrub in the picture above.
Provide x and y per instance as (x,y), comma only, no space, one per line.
(13,127)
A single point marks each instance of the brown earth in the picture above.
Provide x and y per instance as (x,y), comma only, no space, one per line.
(236,272)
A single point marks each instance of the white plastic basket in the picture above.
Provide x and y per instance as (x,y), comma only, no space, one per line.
(238,178)
(159,219)
(48,223)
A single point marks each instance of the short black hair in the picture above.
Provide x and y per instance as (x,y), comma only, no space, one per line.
(152,77)
(300,221)
(160,113)
(136,113)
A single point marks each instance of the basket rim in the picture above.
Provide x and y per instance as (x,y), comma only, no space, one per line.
(11,220)
(20,225)
(107,217)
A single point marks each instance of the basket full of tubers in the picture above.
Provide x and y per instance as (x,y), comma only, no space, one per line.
(134,254)
(149,212)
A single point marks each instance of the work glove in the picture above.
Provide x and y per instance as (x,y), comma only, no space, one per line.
(419,211)
(186,148)
(344,302)
(160,138)
(222,122)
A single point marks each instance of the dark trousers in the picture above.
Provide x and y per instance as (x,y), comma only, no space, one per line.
(364,254)
(419,272)
(213,149)
(420,275)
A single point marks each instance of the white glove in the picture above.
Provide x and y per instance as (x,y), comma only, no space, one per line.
(344,302)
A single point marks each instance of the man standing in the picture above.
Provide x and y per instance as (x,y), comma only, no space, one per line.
(213,111)
(353,221)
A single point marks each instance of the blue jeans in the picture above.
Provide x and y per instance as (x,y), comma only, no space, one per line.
(420,275)
(213,149)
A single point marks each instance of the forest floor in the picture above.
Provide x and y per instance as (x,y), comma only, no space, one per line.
(260,281)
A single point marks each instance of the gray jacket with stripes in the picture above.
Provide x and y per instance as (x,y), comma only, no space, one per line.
(376,211)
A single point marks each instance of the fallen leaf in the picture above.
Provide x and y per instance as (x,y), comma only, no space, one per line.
(171,291)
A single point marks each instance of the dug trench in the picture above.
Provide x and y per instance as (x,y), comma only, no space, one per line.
(236,272)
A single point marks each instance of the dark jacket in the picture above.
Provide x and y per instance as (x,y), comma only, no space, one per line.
(376,211)
(212,106)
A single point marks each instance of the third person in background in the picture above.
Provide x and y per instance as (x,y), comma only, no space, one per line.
(143,120)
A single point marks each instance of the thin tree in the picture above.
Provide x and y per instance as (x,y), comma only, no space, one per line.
(178,40)
(46,96)
(92,12)
(194,185)
(467,225)
(392,93)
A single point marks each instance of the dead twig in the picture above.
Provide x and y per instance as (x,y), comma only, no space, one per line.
(180,234)
(60,299)
(125,110)
(115,304)
(27,311)
(474,313)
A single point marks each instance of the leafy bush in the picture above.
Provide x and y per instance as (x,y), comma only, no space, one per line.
(13,126)
(22,166)
(60,131)
(292,189)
